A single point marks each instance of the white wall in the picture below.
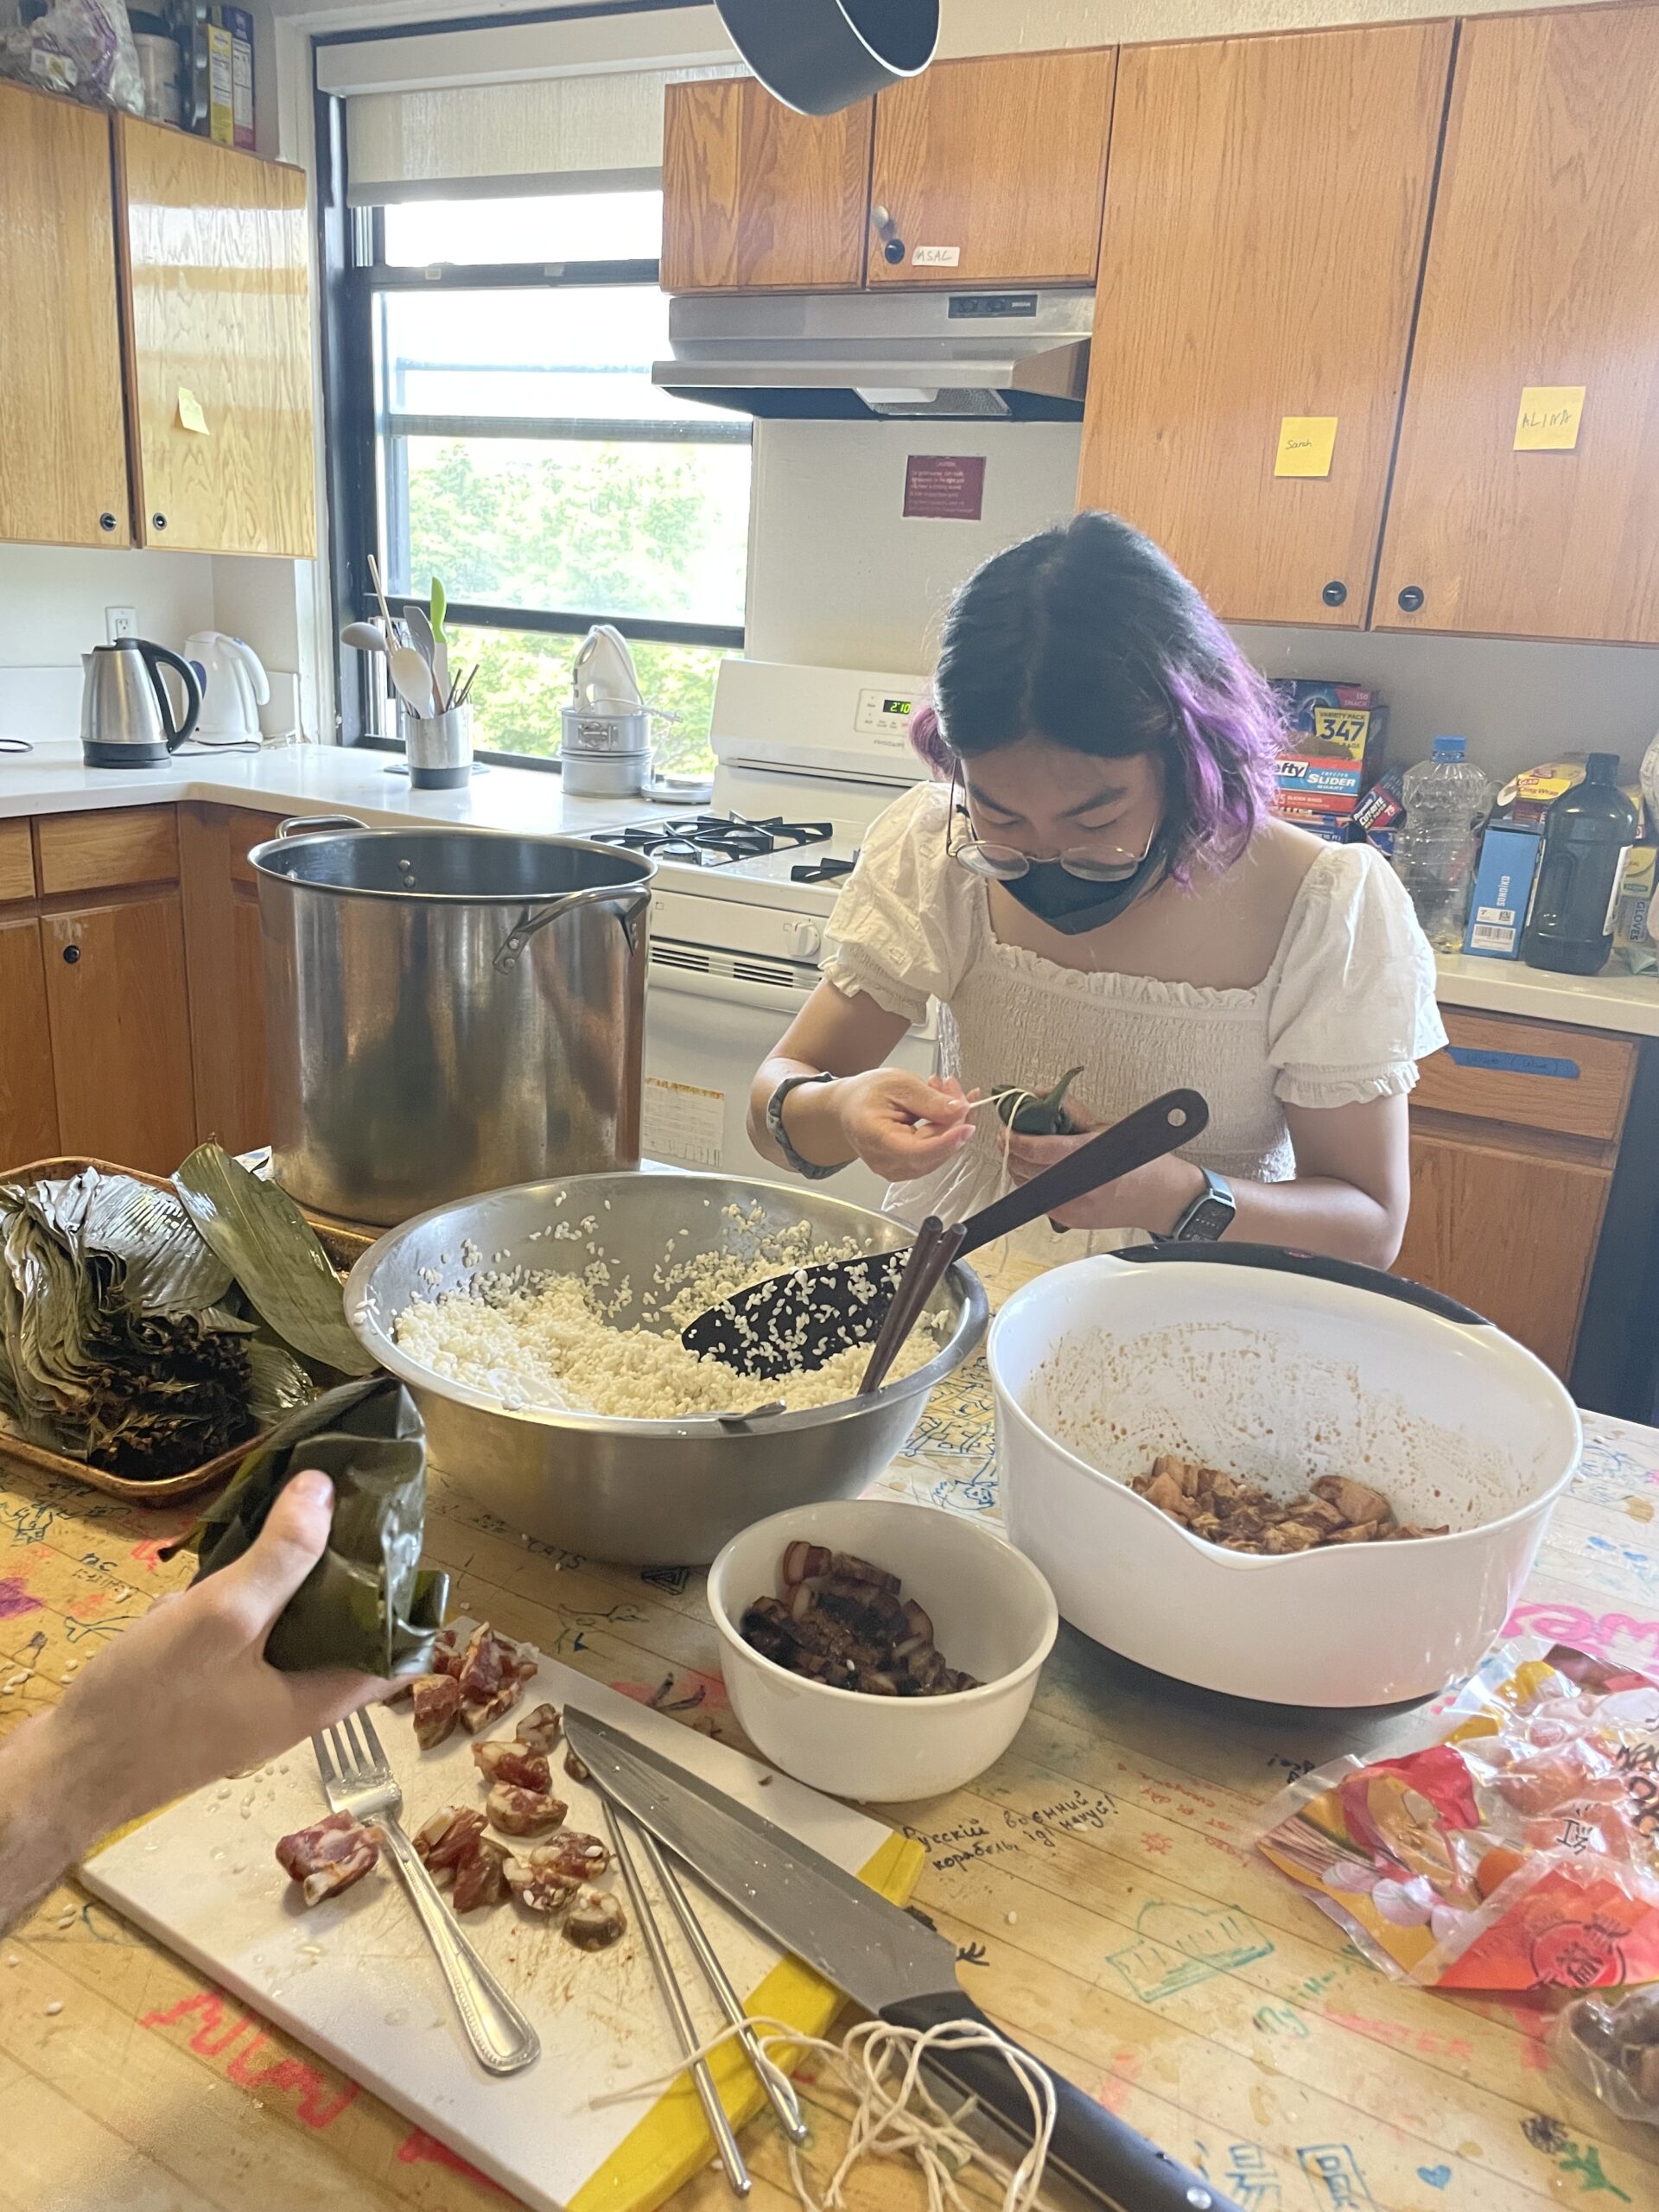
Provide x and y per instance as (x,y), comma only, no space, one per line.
(839,577)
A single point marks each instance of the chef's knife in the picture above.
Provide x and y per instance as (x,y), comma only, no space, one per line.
(886,1960)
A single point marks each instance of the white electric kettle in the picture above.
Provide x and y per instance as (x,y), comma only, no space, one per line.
(234,686)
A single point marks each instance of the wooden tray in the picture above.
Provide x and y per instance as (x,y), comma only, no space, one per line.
(343,1246)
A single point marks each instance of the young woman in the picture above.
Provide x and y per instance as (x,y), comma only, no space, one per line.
(1093,878)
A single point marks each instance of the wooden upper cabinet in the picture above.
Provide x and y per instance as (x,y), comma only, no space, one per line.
(1267,206)
(63,464)
(991,171)
(758,198)
(219,319)
(1543,270)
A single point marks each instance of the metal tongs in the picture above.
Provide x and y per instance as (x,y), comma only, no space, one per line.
(625,1835)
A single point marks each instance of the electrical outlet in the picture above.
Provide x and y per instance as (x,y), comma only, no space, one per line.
(120,622)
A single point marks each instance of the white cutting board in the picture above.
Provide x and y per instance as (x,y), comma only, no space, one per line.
(354,1978)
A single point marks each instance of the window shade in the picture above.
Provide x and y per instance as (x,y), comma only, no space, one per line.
(555,133)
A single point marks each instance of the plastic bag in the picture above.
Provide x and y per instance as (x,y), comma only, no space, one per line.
(1611,2044)
(83,48)
(367,1603)
(1519,1853)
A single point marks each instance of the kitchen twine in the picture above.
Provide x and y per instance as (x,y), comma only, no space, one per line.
(896,2119)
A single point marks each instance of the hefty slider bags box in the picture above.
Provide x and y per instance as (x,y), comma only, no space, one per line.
(1332,741)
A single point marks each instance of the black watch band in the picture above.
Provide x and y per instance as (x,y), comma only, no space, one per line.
(1210,1214)
(779,1136)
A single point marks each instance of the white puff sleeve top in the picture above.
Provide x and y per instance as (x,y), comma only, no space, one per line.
(1344,1014)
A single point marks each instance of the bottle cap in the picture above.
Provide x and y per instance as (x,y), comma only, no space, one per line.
(1601,767)
(1450,748)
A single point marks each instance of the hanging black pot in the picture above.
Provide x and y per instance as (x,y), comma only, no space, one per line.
(819,56)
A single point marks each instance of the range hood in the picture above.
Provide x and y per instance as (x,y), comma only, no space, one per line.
(990,356)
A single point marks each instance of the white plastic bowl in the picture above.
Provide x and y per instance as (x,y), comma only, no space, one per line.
(1277,1368)
(993,1616)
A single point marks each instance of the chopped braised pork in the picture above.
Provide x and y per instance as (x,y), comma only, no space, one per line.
(1240,1517)
(329,1856)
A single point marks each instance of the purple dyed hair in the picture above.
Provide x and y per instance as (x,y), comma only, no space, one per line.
(1088,636)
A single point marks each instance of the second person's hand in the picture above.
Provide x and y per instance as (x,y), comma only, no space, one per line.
(900,1125)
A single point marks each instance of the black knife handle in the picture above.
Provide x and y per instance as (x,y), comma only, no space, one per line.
(1092,2147)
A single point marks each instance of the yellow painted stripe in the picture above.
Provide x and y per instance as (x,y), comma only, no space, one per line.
(672,2142)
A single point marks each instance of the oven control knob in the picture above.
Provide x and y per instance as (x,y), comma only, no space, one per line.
(803,939)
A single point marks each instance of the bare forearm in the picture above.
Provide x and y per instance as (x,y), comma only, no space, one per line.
(1318,1213)
(49,1815)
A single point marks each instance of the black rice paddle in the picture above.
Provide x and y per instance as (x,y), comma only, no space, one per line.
(792,1323)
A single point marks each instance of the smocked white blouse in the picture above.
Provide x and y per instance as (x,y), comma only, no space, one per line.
(1344,1014)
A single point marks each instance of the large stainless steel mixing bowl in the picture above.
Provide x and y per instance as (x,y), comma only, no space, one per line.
(645,1492)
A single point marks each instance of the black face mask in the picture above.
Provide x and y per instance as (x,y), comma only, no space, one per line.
(1072,904)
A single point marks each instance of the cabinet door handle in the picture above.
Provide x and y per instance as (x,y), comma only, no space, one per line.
(158,522)
(1411,599)
(106,520)
(70,955)
(1335,592)
(893,248)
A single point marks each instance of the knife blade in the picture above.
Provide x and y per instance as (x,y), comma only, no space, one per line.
(887,1959)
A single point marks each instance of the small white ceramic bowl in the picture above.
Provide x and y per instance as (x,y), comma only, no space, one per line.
(993,1617)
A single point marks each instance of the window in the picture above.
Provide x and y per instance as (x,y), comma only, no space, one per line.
(495,353)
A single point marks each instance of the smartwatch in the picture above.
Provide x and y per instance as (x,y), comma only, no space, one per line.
(779,1136)
(1210,1214)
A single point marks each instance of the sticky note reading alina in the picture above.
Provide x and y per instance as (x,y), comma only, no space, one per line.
(190,415)
(1549,418)
(1306,445)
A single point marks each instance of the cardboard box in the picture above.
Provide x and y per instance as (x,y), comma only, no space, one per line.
(239,24)
(1633,913)
(1505,876)
(1332,741)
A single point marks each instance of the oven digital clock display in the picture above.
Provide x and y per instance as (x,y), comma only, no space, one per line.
(881,714)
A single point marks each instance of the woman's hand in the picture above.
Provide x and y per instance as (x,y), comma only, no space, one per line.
(901,1126)
(1152,1197)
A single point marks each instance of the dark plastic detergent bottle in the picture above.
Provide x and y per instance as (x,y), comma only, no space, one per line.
(1588,833)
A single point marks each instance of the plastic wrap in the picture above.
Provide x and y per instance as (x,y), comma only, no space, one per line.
(1611,2044)
(1518,1852)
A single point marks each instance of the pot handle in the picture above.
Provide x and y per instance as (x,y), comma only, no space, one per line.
(531,920)
(308,825)
(1282,1260)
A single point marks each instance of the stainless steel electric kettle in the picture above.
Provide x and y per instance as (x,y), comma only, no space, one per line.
(126,715)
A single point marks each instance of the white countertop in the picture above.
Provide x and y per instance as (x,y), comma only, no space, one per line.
(304,779)
(329,779)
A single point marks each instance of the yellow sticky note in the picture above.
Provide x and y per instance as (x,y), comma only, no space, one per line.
(190,415)
(1306,444)
(1549,418)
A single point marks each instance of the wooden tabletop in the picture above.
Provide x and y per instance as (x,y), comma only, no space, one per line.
(1099,1883)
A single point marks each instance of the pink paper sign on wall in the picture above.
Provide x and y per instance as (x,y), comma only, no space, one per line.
(945,486)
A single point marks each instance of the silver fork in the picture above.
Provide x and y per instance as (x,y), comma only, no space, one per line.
(356,1779)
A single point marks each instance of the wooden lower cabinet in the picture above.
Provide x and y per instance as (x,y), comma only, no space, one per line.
(226,961)
(28,1103)
(120,1013)
(1510,1231)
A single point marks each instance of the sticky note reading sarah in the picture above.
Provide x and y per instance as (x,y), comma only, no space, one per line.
(190,415)
(1306,445)
(1549,418)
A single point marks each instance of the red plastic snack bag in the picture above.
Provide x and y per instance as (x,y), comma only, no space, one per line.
(1520,1852)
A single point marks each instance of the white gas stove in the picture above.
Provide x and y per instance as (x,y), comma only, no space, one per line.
(806,759)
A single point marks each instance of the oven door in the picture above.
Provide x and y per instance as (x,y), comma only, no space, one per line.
(707,1030)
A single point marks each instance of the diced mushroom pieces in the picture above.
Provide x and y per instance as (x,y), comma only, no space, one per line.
(1362,1532)
(1356,1501)
(437,1704)
(595,1922)
(329,1856)
(1292,1536)
(1166,1494)
(523,1811)
(1409,1530)
(481,1878)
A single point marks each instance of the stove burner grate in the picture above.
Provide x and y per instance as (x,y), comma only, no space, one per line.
(716,840)
(828,870)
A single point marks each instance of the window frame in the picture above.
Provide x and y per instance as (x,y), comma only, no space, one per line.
(355,272)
